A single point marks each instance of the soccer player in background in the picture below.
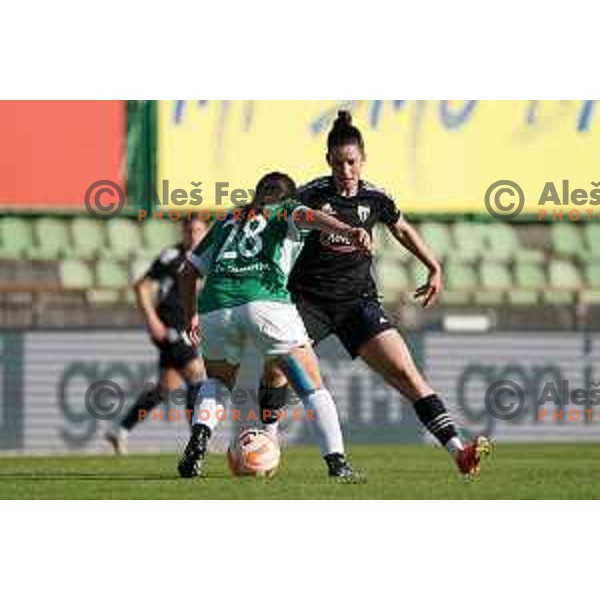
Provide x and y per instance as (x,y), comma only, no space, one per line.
(332,287)
(246,261)
(178,357)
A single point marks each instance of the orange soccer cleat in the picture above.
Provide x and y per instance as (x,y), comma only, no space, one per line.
(469,458)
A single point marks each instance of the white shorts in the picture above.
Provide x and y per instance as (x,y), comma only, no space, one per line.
(274,328)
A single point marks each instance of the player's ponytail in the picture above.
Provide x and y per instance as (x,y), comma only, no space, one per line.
(271,189)
(343,133)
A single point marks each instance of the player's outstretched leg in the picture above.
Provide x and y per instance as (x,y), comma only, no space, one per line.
(143,406)
(388,355)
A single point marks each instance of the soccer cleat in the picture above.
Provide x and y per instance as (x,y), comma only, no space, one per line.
(118,443)
(469,458)
(341,470)
(190,464)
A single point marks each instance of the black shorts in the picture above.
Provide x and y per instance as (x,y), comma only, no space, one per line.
(353,323)
(175,355)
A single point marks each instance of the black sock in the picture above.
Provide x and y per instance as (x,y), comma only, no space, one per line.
(270,400)
(193,390)
(433,415)
(147,400)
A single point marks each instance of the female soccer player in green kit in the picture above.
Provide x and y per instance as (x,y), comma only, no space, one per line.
(246,261)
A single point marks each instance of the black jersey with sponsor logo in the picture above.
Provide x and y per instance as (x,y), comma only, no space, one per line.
(164,270)
(329,268)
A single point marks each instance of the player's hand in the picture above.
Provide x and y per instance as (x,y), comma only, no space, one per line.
(194,330)
(428,293)
(158,331)
(361,239)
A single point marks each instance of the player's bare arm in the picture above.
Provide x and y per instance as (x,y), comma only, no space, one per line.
(144,293)
(320,220)
(409,237)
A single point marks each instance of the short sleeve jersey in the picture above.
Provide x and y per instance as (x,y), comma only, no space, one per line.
(249,261)
(329,269)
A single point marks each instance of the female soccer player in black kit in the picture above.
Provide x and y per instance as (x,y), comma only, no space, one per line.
(178,357)
(334,291)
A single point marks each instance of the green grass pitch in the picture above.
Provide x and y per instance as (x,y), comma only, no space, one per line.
(513,471)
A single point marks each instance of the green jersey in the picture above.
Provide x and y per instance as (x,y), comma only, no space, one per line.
(249,261)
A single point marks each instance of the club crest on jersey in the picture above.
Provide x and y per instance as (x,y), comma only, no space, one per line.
(363,212)
(327,208)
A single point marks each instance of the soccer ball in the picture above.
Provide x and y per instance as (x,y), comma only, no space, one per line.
(254,453)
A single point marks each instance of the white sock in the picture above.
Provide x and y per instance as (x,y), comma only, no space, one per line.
(453,445)
(325,424)
(271,428)
(120,431)
(211,410)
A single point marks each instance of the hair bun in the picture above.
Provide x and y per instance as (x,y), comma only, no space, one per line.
(344,118)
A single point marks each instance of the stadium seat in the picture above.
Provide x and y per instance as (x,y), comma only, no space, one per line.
(392,279)
(502,242)
(123,239)
(566,241)
(495,280)
(385,244)
(564,279)
(592,242)
(157,235)
(382,238)
(76,275)
(438,237)
(88,237)
(139,267)
(16,237)
(51,239)
(111,275)
(591,295)
(461,281)
(468,241)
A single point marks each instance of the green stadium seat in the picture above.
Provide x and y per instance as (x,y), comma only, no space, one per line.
(502,242)
(16,237)
(530,280)
(51,239)
(157,235)
(468,241)
(139,268)
(461,282)
(385,244)
(566,241)
(88,237)
(382,239)
(591,295)
(123,239)
(591,234)
(392,279)
(564,279)
(76,275)
(111,275)
(438,237)
(592,276)
(563,275)
(495,281)
(529,276)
